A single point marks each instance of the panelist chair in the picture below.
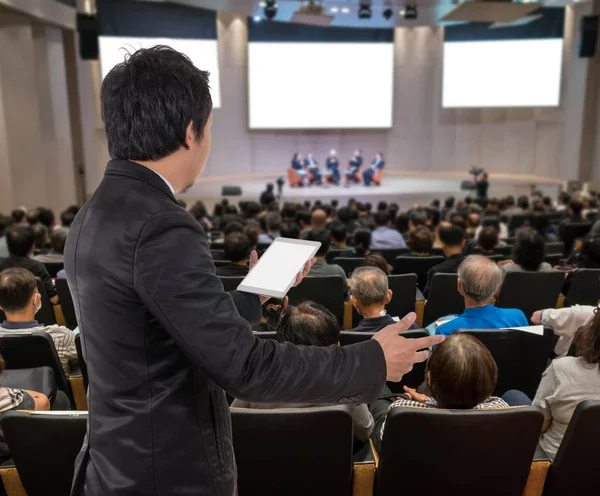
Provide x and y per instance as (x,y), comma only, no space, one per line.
(416,265)
(43,447)
(575,468)
(293,451)
(293,178)
(457,452)
(443,298)
(584,289)
(327,291)
(378,176)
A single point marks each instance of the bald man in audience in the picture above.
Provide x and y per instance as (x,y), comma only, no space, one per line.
(478,280)
(318,219)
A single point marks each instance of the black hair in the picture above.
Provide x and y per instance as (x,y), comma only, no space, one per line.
(529,250)
(381,218)
(362,241)
(303,217)
(308,324)
(33,217)
(382,205)
(233,227)
(338,231)
(576,207)
(418,217)
(449,202)
(523,202)
(18,215)
(488,239)
(344,214)
(46,216)
(288,212)
(290,230)
(322,236)
(20,241)
(17,286)
(67,218)
(40,235)
(590,252)
(273,221)
(270,186)
(420,240)
(236,247)
(58,238)
(149,100)
(451,236)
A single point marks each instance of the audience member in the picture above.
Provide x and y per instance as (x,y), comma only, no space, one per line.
(478,280)
(344,215)
(253,232)
(21,245)
(487,241)
(365,218)
(562,202)
(20,301)
(41,239)
(473,222)
(523,204)
(304,219)
(47,218)
(58,238)
(19,216)
(384,236)
(528,253)
(452,239)
(5,223)
(273,223)
(511,209)
(492,219)
(573,216)
(290,230)
(267,197)
(377,260)
(417,217)
(318,219)
(339,235)
(33,217)
(420,242)
(321,268)
(66,218)
(237,250)
(587,257)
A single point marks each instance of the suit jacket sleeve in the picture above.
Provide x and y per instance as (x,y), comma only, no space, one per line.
(188,299)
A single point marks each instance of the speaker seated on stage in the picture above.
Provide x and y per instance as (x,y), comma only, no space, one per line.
(312,167)
(321,268)
(296,172)
(353,167)
(332,173)
(237,250)
(377,165)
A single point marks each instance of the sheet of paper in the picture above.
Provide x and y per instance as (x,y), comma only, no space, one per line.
(536,329)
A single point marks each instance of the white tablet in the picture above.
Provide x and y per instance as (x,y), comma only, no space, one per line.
(276,270)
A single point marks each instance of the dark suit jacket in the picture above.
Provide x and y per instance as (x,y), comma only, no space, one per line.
(37,268)
(233,270)
(162,340)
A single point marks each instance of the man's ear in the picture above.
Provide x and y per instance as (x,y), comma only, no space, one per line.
(353,301)
(459,286)
(390,293)
(429,378)
(190,136)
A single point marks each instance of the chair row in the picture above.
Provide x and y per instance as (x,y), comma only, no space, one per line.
(301,451)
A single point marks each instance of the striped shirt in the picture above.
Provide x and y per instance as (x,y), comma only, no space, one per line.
(10,398)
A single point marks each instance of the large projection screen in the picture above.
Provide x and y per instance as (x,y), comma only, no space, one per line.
(320,84)
(202,53)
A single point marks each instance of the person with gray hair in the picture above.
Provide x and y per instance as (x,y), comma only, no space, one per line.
(58,238)
(478,281)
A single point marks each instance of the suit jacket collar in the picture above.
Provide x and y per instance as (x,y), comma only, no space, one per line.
(137,171)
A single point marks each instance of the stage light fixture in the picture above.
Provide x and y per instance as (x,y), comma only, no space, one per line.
(364,11)
(410,11)
(257,18)
(270,9)
(388,13)
(334,10)
(345,10)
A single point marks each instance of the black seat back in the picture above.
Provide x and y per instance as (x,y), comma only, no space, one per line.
(81,361)
(416,265)
(506,251)
(266,334)
(54,268)
(348,263)
(575,470)
(334,253)
(530,291)
(46,313)
(44,448)
(518,220)
(573,231)
(221,263)
(472,452)
(218,254)
(327,291)
(585,288)
(443,298)
(66,303)
(306,450)
(553,258)
(231,283)
(521,356)
(555,248)
(390,254)
(496,257)
(30,350)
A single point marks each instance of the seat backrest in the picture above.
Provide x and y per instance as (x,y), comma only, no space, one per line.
(521,356)
(221,263)
(81,361)
(553,258)
(585,288)
(575,468)
(506,251)
(266,334)
(231,283)
(218,254)
(334,253)
(46,313)
(518,220)
(327,291)
(573,231)
(530,291)
(390,254)
(348,263)
(443,298)
(457,452)
(496,257)
(416,265)
(66,303)
(438,252)
(44,448)
(293,451)
(555,248)
(30,350)
(54,268)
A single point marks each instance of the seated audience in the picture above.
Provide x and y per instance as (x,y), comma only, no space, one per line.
(20,301)
(377,260)
(420,242)
(5,223)
(510,208)
(41,239)
(318,219)
(66,218)
(310,324)
(384,236)
(461,375)
(478,280)
(490,213)
(237,250)
(47,218)
(321,268)
(487,241)
(416,218)
(344,215)
(528,253)
(573,216)
(21,245)
(253,232)
(473,222)
(339,235)
(290,230)
(362,242)
(303,218)
(19,216)
(452,239)
(58,238)
(272,223)
(271,313)
(587,257)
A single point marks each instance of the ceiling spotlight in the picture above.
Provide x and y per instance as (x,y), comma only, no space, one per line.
(388,13)
(270,9)
(334,10)
(410,11)
(364,11)
(345,10)
(257,18)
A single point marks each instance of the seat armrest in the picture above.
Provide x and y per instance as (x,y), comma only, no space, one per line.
(12,482)
(363,479)
(536,478)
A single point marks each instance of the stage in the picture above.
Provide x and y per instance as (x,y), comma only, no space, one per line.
(403,187)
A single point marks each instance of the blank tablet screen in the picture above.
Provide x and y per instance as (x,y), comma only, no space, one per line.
(277,269)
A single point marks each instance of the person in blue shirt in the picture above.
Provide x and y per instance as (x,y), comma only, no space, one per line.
(353,167)
(478,280)
(296,164)
(312,167)
(368,174)
(333,167)
(384,236)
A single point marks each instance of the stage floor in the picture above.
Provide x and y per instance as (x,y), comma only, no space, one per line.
(405,189)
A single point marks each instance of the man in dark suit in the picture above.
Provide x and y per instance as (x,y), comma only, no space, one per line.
(160,336)
(353,167)
(368,174)
(312,166)
(453,243)
(333,167)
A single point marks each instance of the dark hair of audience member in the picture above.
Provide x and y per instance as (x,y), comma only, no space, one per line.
(589,253)
(529,250)
(377,260)
(227,219)
(462,372)
(452,236)
(40,236)
(231,209)
(523,203)
(576,207)
(382,206)
(420,240)
(18,215)
(487,239)
(236,247)
(66,218)
(322,236)
(334,203)
(434,215)
(233,227)
(381,218)
(290,230)
(401,223)
(459,220)
(308,324)
(218,210)
(46,217)
(16,289)
(288,213)
(468,200)
(131,112)
(449,202)
(338,231)
(587,340)
(198,211)
(435,203)
(33,217)
(303,217)
(20,241)
(362,242)
(252,231)
(344,214)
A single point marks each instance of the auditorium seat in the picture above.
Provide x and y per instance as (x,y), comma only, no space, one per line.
(333,253)
(327,291)
(293,451)
(266,334)
(555,248)
(443,298)
(222,263)
(572,232)
(218,254)
(44,447)
(438,252)
(574,471)
(553,259)
(584,288)
(518,220)
(348,263)
(496,257)
(506,251)
(390,254)
(530,291)
(432,452)
(31,350)
(521,356)
(66,303)
(231,283)
(416,265)
(54,267)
